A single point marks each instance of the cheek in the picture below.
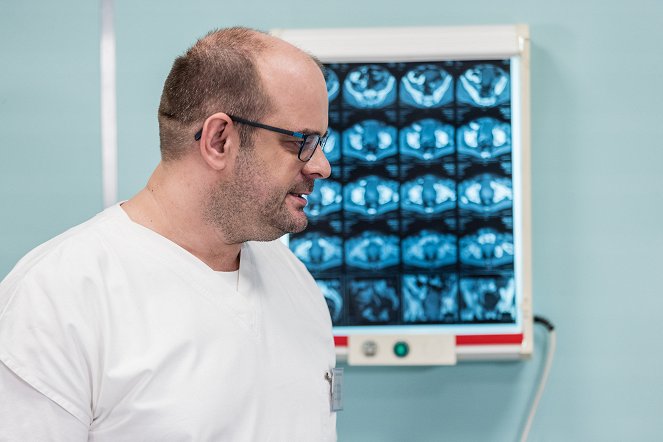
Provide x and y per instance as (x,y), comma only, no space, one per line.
(275,178)
(268,180)
(265,188)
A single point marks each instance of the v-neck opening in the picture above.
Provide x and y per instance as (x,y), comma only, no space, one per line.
(243,302)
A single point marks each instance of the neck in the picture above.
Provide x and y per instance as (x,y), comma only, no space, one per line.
(172,206)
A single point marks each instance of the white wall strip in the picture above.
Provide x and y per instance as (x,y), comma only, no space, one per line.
(108,105)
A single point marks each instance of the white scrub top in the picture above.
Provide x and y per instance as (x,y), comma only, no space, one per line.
(137,339)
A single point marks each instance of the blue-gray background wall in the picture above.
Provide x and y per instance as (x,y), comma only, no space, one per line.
(597,114)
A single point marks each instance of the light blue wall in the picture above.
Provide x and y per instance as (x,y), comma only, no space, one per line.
(49,121)
(597,108)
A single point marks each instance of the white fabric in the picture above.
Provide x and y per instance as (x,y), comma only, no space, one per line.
(19,401)
(139,340)
(230,279)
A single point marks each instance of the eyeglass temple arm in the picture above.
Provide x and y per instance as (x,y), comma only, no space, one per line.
(199,134)
(265,126)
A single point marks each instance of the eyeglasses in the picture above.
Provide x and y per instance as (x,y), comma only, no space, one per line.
(307,146)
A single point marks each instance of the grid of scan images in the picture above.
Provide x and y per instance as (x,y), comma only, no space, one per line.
(415,224)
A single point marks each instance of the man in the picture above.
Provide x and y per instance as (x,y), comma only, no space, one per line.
(162,319)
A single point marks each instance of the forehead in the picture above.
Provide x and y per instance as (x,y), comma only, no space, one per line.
(296,87)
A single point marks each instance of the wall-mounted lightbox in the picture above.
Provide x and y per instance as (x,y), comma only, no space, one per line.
(420,239)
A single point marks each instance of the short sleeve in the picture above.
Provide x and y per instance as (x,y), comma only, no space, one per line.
(26,414)
(47,338)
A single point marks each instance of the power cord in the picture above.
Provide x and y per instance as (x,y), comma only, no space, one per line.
(550,353)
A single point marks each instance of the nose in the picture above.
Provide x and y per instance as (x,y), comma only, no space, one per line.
(318,166)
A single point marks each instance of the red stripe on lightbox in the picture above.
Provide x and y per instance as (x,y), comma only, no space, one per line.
(342,341)
(489,339)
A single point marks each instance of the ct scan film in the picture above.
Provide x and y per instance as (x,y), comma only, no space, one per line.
(415,225)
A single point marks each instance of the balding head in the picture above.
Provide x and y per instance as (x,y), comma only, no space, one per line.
(295,85)
(221,72)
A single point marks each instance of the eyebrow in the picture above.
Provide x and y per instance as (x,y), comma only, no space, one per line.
(305,131)
(310,132)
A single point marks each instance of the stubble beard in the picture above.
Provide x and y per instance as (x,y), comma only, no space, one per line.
(248,208)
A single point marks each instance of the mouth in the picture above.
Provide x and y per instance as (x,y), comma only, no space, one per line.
(301,198)
(302,193)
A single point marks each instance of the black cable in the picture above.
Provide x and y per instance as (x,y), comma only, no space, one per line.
(545,322)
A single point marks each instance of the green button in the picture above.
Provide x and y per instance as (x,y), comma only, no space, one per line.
(401,349)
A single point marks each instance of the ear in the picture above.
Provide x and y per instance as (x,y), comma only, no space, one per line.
(219,141)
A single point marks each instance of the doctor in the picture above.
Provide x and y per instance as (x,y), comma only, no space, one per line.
(178,315)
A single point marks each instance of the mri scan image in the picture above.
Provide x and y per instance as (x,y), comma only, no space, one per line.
(415,225)
(370,140)
(426,86)
(427,139)
(374,300)
(325,199)
(332,147)
(488,299)
(333,85)
(331,289)
(428,194)
(371,196)
(429,249)
(484,85)
(430,298)
(485,193)
(372,250)
(484,138)
(486,248)
(369,86)
(317,251)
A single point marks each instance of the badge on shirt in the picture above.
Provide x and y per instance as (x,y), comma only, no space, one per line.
(335,379)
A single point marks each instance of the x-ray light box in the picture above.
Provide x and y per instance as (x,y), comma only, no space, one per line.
(420,239)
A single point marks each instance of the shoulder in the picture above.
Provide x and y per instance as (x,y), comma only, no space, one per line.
(55,264)
(56,292)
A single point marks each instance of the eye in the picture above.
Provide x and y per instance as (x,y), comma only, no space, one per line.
(291,143)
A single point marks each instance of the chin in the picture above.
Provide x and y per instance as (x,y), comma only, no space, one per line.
(299,228)
(296,224)
(276,229)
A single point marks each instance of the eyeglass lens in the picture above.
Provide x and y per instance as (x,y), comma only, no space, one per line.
(308,148)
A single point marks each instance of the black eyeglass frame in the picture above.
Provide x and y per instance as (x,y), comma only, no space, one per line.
(321,139)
